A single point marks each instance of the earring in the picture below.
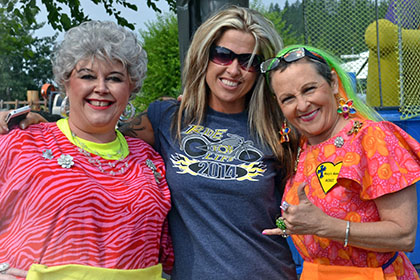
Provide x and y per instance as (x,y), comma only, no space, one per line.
(128,113)
(65,107)
(345,108)
(284,132)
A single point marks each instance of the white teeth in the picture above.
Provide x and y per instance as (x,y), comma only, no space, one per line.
(304,118)
(229,83)
(100,103)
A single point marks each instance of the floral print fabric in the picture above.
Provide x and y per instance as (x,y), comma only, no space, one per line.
(343,181)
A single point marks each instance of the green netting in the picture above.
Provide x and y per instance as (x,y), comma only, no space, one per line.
(360,32)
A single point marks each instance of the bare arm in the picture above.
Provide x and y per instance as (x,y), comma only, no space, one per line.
(140,127)
(396,231)
(31,118)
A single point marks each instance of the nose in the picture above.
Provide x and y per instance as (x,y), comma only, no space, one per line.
(101,86)
(234,68)
(302,103)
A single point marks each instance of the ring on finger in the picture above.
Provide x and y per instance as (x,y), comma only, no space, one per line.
(284,206)
(4,267)
(280,223)
(284,234)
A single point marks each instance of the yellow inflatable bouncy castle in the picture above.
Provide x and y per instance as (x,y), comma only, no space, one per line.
(399,64)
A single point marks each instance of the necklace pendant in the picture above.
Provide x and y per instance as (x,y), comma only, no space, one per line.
(339,142)
(356,127)
(65,161)
(47,154)
(152,166)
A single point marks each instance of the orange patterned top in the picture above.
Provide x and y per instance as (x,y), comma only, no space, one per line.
(344,175)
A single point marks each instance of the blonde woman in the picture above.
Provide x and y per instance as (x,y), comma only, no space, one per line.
(220,149)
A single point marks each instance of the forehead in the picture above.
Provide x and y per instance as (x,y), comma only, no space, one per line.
(96,64)
(237,41)
(299,68)
(295,75)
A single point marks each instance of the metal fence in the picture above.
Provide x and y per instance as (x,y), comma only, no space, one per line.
(378,41)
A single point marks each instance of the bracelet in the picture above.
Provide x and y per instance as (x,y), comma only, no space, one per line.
(346,239)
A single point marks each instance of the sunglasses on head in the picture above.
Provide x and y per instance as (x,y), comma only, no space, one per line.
(224,56)
(290,56)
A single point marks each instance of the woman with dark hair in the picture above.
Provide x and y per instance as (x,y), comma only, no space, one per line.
(350,205)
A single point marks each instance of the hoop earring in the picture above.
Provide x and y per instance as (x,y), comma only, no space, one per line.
(345,108)
(65,107)
(128,113)
(284,132)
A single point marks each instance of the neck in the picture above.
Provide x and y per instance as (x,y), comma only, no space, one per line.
(338,125)
(94,136)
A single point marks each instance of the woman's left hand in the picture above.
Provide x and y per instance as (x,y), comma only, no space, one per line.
(304,218)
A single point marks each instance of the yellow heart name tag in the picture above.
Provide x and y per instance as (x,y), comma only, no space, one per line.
(327,173)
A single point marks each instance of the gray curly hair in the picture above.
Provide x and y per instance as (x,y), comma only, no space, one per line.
(103,40)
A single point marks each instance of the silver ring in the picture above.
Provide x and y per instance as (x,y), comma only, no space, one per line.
(284,234)
(284,206)
(4,267)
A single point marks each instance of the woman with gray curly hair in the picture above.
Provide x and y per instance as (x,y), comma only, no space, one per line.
(78,200)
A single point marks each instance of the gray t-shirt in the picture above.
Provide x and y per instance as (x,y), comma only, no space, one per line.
(223,195)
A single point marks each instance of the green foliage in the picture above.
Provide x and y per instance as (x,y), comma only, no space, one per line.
(160,41)
(59,20)
(24,60)
(277,17)
(293,18)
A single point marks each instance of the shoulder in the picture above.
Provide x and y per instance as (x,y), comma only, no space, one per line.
(160,113)
(388,128)
(140,148)
(36,132)
(387,158)
(377,135)
(163,105)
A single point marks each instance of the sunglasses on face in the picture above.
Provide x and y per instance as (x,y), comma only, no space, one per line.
(291,56)
(224,56)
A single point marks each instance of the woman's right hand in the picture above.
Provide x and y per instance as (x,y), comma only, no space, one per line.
(31,118)
(13,274)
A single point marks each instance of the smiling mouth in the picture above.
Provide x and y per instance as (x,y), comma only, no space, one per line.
(310,116)
(229,83)
(97,103)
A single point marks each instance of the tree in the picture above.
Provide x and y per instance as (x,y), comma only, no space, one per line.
(292,14)
(160,40)
(276,16)
(28,9)
(24,60)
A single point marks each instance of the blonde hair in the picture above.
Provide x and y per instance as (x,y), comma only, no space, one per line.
(262,113)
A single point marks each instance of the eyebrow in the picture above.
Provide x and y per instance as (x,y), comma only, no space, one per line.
(90,70)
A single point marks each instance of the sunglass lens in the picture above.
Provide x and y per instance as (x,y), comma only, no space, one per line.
(269,65)
(244,60)
(221,56)
(224,56)
(294,55)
